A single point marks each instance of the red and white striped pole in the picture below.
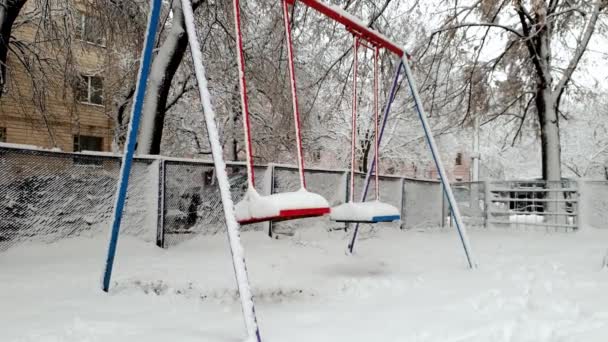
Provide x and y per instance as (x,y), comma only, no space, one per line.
(354,121)
(376,143)
(243,88)
(294,95)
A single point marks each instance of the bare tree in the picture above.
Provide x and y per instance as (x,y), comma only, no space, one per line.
(544,44)
(170,55)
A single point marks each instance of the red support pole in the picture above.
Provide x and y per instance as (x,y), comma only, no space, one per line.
(376,144)
(243,88)
(354,121)
(294,95)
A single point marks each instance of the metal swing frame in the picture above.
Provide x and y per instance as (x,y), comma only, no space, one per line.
(376,39)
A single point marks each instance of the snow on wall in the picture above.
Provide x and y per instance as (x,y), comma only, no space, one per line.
(423,201)
(48,196)
(594,198)
(470,197)
(390,189)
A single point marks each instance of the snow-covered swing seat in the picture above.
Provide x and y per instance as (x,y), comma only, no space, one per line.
(255,207)
(372,211)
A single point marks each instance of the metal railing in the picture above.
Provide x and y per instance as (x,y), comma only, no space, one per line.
(520,204)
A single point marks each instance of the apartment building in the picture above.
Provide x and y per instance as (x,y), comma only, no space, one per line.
(42,104)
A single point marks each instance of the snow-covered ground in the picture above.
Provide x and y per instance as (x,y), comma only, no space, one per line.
(400,286)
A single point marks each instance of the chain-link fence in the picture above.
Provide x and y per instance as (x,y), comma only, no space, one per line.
(46,196)
(190,201)
(49,195)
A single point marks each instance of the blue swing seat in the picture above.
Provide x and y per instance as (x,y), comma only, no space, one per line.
(365,212)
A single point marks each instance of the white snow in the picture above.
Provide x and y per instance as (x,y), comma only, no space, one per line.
(522,218)
(362,211)
(27,147)
(255,206)
(401,286)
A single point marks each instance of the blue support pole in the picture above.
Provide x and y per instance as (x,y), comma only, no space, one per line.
(127,159)
(368,177)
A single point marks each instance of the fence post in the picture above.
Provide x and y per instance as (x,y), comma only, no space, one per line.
(160,223)
(445,210)
(487,202)
(474,197)
(347,194)
(580,207)
(403,203)
(269,190)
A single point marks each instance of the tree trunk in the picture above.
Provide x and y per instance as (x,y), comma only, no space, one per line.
(551,154)
(9,10)
(550,140)
(366,147)
(165,65)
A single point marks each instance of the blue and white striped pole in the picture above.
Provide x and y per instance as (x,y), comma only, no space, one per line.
(368,177)
(232,226)
(127,159)
(447,189)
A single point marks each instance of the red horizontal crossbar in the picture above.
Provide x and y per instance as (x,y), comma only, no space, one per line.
(353,25)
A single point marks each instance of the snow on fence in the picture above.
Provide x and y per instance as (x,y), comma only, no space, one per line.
(593,206)
(48,195)
(471,197)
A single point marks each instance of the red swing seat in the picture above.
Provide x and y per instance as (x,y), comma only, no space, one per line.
(284,206)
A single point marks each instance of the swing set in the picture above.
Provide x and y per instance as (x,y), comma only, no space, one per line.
(290,205)
(300,204)
(254,207)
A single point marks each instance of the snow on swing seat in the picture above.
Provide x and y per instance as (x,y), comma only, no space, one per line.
(365,212)
(255,208)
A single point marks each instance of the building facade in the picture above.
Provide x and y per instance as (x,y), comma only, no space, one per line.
(458,168)
(57,96)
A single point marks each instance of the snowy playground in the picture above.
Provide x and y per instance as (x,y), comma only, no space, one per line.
(133,246)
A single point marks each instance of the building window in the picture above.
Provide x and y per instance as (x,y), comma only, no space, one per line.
(458,159)
(90,90)
(87,143)
(2,134)
(4,81)
(90,30)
